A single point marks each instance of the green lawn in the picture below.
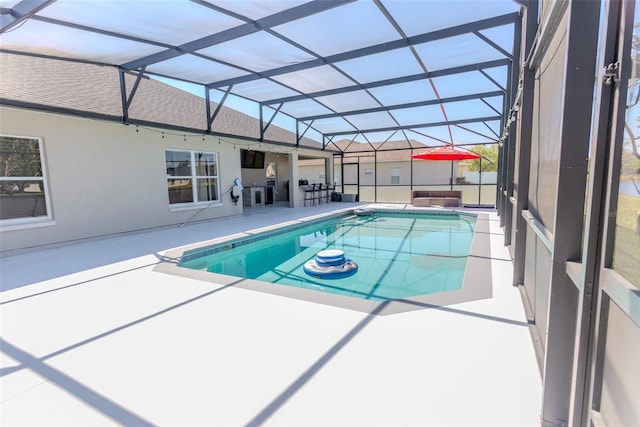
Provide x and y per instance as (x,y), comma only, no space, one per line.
(626,255)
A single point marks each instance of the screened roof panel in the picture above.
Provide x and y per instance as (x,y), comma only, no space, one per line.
(502,36)
(333,124)
(194,68)
(381,66)
(341,29)
(461,135)
(314,79)
(460,84)
(436,134)
(305,107)
(430,141)
(455,51)
(349,101)
(495,125)
(471,108)
(137,19)
(257,52)
(383,136)
(416,17)
(499,74)
(257,9)
(313,59)
(419,90)
(426,114)
(372,120)
(495,101)
(488,129)
(262,90)
(72,43)
(465,134)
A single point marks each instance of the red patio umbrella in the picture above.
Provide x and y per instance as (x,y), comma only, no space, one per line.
(449,152)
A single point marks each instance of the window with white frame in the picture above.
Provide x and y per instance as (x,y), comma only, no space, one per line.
(23,194)
(192,177)
(395,176)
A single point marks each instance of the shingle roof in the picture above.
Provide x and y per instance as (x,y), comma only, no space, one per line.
(87,88)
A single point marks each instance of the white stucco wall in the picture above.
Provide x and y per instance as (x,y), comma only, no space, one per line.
(487,177)
(313,171)
(106,178)
(424,172)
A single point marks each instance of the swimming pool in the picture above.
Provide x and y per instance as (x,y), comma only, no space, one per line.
(400,254)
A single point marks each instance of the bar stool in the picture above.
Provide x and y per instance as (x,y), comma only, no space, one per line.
(310,195)
(320,196)
(330,189)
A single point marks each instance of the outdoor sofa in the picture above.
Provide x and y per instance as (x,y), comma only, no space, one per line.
(445,198)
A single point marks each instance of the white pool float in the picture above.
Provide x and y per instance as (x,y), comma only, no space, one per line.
(330,264)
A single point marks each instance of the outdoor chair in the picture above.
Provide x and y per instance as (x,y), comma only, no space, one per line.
(330,189)
(320,196)
(310,195)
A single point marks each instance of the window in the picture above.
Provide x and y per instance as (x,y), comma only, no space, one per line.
(192,177)
(23,196)
(627,232)
(395,176)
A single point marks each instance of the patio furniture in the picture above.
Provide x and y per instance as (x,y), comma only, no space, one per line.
(329,193)
(444,198)
(320,196)
(310,195)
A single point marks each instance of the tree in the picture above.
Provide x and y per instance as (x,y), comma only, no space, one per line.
(630,163)
(633,97)
(489,158)
(19,157)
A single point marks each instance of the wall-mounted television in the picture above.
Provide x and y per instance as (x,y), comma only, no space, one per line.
(251,159)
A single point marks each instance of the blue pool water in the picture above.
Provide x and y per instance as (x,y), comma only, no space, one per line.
(399,255)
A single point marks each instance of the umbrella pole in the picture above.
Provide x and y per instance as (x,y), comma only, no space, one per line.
(479,181)
(451,177)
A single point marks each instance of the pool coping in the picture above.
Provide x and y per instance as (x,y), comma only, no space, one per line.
(476,282)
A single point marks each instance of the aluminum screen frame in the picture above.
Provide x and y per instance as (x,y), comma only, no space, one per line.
(422,71)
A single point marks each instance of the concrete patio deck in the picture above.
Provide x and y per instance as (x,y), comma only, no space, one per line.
(91,335)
